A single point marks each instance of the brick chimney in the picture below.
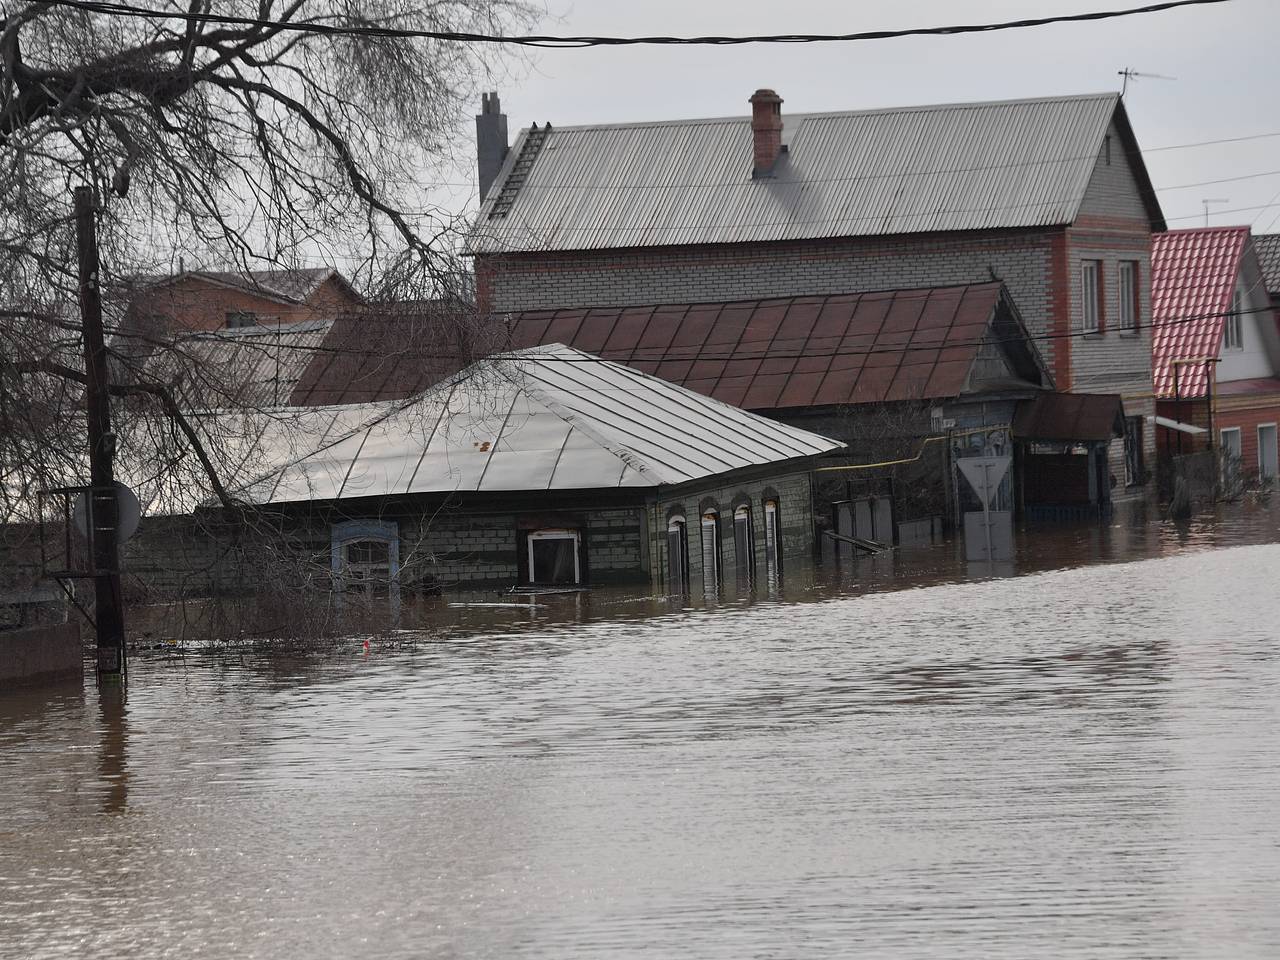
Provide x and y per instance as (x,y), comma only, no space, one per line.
(491,141)
(766,131)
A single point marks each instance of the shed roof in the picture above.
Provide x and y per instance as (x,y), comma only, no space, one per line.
(967,166)
(1268,247)
(804,351)
(1193,279)
(545,418)
(1069,417)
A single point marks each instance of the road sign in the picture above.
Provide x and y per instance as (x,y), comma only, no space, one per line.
(984,475)
(128,512)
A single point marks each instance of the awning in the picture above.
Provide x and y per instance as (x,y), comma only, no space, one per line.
(1177,425)
(1069,418)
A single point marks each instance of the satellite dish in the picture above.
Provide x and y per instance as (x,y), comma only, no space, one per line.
(128,513)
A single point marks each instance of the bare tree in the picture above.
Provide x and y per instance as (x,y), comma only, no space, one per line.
(254,135)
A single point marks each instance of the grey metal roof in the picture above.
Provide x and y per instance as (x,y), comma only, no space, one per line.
(287,285)
(968,166)
(545,418)
(1268,247)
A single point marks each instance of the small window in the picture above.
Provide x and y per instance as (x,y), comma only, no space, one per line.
(1268,454)
(1232,331)
(1091,295)
(553,557)
(744,548)
(1230,455)
(366,568)
(772,541)
(241,318)
(711,553)
(677,556)
(1134,468)
(1130,303)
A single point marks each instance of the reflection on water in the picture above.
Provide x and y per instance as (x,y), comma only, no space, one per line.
(1078,762)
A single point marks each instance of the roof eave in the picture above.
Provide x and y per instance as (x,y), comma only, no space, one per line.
(1138,166)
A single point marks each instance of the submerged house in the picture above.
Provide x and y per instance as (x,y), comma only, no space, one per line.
(1048,195)
(545,467)
(1216,356)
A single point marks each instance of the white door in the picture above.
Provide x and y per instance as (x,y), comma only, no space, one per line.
(1267,451)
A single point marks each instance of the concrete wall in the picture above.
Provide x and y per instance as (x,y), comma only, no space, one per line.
(40,654)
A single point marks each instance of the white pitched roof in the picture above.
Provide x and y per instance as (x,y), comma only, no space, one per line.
(545,418)
(963,166)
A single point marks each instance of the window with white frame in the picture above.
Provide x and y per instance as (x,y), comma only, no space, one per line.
(710,553)
(677,556)
(554,557)
(1232,331)
(1130,303)
(1268,454)
(772,540)
(744,545)
(1091,295)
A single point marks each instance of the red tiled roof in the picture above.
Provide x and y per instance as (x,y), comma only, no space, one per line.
(1193,278)
(790,352)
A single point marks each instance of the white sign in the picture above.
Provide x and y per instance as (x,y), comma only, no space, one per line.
(984,475)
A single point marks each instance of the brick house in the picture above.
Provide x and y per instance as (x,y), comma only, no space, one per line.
(1050,196)
(212,300)
(1216,355)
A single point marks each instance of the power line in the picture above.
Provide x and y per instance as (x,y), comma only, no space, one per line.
(576,42)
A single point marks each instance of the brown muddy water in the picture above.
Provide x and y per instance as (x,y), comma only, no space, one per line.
(921,760)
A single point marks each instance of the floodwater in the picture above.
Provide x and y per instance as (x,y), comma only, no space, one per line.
(1078,762)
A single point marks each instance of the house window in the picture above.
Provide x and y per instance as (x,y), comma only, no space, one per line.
(677,556)
(711,553)
(1091,295)
(1232,332)
(1134,472)
(365,561)
(1267,451)
(744,552)
(1130,303)
(554,557)
(241,318)
(772,540)
(1230,455)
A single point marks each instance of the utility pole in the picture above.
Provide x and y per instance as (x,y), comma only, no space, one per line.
(102,512)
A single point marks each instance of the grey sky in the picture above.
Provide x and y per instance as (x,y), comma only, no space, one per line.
(1224,58)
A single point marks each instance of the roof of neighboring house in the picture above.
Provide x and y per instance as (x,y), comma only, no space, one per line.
(1069,417)
(245,367)
(966,166)
(546,418)
(284,286)
(805,351)
(391,351)
(1268,247)
(1193,279)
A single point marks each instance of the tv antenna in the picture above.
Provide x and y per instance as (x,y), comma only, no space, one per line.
(1130,74)
(1208,200)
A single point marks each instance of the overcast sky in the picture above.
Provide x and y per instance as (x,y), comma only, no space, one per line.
(1224,56)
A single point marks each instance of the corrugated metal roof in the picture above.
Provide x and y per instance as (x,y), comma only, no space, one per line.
(1268,247)
(1069,417)
(243,367)
(1193,278)
(971,166)
(287,285)
(842,349)
(547,418)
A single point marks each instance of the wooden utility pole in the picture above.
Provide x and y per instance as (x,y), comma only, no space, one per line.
(102,512)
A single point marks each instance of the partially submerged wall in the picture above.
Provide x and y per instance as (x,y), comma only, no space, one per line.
(40,654)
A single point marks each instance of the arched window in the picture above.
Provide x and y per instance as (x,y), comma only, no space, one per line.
(365,562)
(710,553)
(772,540)
(677,556)
(744,547)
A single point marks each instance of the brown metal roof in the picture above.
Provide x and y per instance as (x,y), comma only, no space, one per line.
(1070,417)
(391,352)
(801,351)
